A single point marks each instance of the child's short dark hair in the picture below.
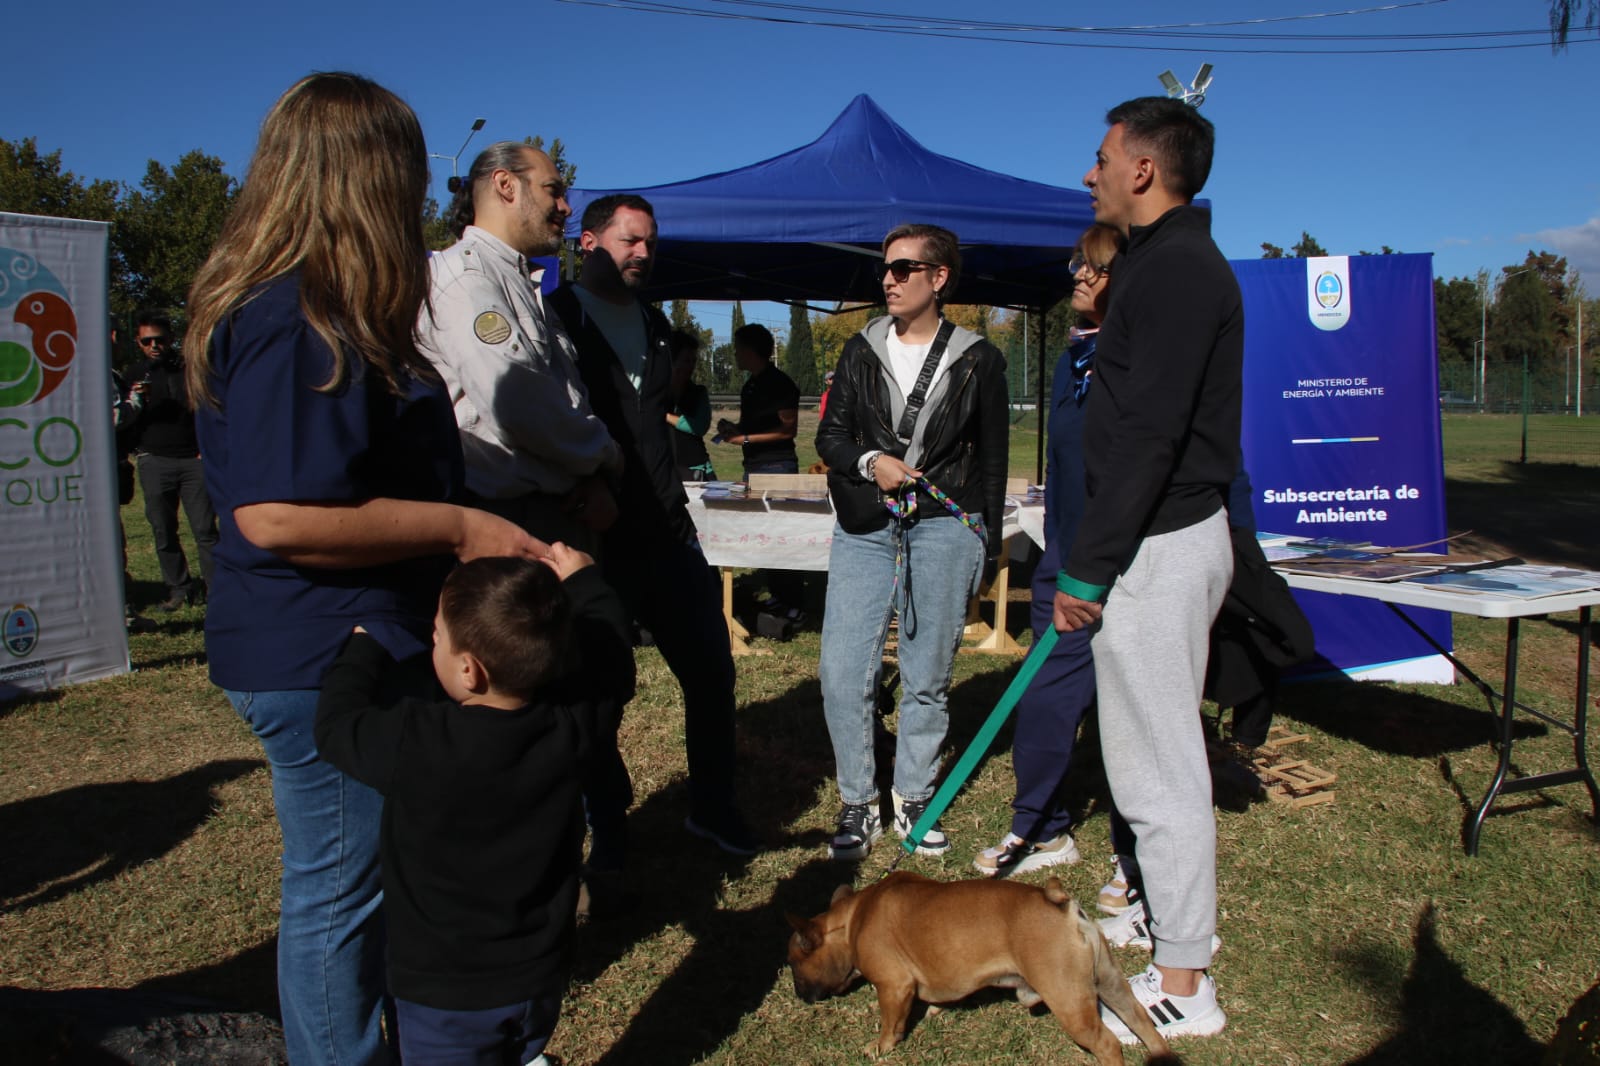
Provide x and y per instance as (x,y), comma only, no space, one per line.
(513,615)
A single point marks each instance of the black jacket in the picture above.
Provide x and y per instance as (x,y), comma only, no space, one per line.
(482,833)
(963,430)
(652,500)
(164,424)
(1161,433)
(1260,630)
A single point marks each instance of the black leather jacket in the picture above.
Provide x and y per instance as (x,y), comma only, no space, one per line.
(964,433)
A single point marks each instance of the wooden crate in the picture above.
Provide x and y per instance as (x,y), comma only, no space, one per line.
(1288,780)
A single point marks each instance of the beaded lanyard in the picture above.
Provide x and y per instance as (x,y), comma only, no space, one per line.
(902,503)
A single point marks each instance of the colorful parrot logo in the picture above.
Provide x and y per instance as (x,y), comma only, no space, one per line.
(30,372)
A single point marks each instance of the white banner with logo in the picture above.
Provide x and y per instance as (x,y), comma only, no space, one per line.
(61,568)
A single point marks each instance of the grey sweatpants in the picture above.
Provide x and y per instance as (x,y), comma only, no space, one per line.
(1150,666)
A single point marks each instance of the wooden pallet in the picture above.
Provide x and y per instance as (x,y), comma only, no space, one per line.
(1287,780)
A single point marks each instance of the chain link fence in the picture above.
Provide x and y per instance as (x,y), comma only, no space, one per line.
(1562,422)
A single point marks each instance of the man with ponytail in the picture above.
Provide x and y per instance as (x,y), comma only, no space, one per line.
(535,452)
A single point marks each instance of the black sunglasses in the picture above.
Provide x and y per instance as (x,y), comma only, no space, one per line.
(904,268)
(145,342)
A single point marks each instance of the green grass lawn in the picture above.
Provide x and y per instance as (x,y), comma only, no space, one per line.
(140,851)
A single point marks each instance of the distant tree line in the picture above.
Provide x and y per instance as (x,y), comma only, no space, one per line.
(163,228)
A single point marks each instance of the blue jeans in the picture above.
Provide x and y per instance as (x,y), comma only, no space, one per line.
(499,1036)
(1048,715)
(942,566)
(330,929)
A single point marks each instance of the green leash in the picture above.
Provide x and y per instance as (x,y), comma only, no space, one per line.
(980,744)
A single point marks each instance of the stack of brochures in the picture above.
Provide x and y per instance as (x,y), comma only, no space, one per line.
(1505,578)
(1523,582)
(723,490)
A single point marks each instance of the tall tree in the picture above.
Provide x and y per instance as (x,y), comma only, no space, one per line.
(1307,247)
(721,369)
(34,184)
(558,155)
(737,322)
(435,227)
(829,332)
(1458,319)
(800,355)
(1567,15)
(166,227)
(1523,328)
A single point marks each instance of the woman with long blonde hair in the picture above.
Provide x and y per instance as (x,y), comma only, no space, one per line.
(331,453)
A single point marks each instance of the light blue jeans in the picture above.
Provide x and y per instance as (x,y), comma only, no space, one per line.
(330,929)
(942,566)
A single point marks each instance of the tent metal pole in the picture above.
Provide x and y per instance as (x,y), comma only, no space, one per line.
(1043,395)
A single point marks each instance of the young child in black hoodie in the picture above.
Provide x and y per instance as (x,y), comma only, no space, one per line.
(483,820)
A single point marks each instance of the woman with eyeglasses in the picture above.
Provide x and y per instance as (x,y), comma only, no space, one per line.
(331,451)
(915,439)
(1063,690)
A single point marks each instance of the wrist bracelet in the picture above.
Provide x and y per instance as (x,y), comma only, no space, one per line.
(872,467)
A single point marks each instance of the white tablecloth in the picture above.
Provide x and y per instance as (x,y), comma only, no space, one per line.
(796,534)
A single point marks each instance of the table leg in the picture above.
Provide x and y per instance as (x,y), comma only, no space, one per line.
(996,640)
(1508,713)
(738,635)
(1580,718)
(1579,728)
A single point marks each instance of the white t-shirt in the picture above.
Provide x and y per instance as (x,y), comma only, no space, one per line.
(905,363)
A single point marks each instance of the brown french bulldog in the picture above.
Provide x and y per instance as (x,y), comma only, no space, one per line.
(917,938)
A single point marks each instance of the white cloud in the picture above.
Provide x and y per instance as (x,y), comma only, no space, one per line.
(1580,244)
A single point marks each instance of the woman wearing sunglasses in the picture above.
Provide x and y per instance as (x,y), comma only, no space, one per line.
(1050,710)
(915,439)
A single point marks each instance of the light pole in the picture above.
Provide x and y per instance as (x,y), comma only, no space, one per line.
(1477,377)
(1483,342)
(476,126)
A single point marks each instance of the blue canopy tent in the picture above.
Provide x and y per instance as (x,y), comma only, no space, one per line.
(806,226)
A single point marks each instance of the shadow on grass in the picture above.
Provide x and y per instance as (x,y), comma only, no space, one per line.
(1544,511)
(680,881)
(57,844)
(17,699)
(144,1024)
(1393,720)
(1443,1016)
(247,981)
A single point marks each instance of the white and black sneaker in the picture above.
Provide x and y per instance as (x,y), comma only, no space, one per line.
(906,815)
(1196,1015)
(1131,929)
(859,828)
(1118,894)
(1013,855)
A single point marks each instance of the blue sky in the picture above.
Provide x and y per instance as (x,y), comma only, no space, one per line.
(1474,156)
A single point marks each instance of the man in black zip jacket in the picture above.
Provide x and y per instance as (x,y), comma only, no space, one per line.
(650,555)
(1152,559)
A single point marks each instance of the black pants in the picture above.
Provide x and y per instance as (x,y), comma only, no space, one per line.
(671,591)
(166,483)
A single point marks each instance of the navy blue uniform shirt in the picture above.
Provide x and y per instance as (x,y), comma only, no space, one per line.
(274,437)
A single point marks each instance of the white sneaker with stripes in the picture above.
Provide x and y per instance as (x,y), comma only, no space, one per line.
(1196,1015)
(1131,929)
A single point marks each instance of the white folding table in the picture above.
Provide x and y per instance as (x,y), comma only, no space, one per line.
(1401,594)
